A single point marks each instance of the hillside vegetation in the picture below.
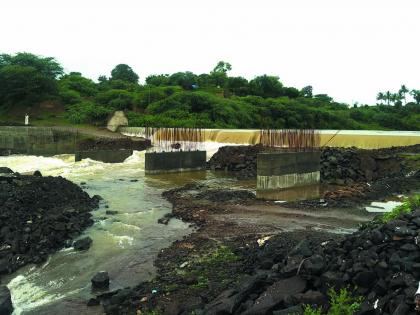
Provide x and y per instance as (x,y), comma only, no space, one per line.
(185,99)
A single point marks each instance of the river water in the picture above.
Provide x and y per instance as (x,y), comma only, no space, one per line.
(124,244)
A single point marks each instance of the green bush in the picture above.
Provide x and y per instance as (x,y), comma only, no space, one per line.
(409,205)
(87,112)
(341,303)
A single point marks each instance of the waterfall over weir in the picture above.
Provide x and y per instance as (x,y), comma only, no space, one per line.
(364,139)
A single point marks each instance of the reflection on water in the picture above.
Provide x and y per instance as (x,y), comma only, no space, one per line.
(381,207)
(292,194)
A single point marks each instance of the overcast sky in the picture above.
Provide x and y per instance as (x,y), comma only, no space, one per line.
(347,49)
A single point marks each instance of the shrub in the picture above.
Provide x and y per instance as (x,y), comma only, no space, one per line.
(87,112)
(341,303)
(409,205)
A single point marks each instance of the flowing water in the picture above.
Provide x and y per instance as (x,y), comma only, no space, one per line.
(124,244)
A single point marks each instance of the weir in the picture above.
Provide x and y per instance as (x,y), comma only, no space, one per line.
(364,139)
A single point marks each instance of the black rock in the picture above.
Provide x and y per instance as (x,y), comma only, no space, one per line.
(365,279)
(83,243)
(275,295)
(111,212)
(5,170)
(6,307)
(37,173)
(303,249)
(295,310)
(92,302)
(100,280)
(314,265)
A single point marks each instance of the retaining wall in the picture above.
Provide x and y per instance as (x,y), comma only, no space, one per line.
(279,170)
(36,140)
(166,162)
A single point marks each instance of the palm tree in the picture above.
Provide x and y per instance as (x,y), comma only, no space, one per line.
(402,92)
(380,97)
(388,96)
(416,95)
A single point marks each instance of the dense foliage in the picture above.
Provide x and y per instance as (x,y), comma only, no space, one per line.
(213,100)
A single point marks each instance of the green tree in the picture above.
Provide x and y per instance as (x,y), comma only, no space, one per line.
(307,91)
(266,86)
(27,79)
(184,79)
(381,97)
(222,66)
(158,79)
(402,92)
(124,72)
(416,95)
(238,85)
(219,76)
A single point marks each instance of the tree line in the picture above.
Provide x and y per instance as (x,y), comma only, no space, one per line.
(397,98)
(185,99)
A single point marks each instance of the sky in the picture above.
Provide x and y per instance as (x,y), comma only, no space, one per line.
(350,50)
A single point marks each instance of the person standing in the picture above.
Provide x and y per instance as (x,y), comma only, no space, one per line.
(26,119)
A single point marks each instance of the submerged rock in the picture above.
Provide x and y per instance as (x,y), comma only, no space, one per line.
(6,307)
(100,280)
(83,243)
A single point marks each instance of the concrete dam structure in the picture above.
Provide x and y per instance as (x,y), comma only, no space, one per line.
(364,139)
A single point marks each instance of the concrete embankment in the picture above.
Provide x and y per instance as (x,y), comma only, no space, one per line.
(49,141)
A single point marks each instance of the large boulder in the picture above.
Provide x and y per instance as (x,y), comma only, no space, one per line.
(117,120)
(6,307)
(83,243)
(100,280)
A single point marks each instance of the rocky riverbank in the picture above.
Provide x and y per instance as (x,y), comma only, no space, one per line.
(227,268)
(230,251)
(39,215)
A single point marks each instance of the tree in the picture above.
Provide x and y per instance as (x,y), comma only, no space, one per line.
(396,99)
(380,97)
(222,67)
(266,86)
(388,97)
(219,74)
(307,91)
(184,79)
(158,79)
(416,95)
(238,85)
(124,72)
(402,92)
(27,79)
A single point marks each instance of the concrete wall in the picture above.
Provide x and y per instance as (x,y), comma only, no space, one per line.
(165,162)
(107,156)
(279,170)
(36,140)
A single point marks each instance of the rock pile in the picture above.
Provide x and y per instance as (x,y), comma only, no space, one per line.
(239,159)
(351,165)
(39,215)
(381,263)
(342,166)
